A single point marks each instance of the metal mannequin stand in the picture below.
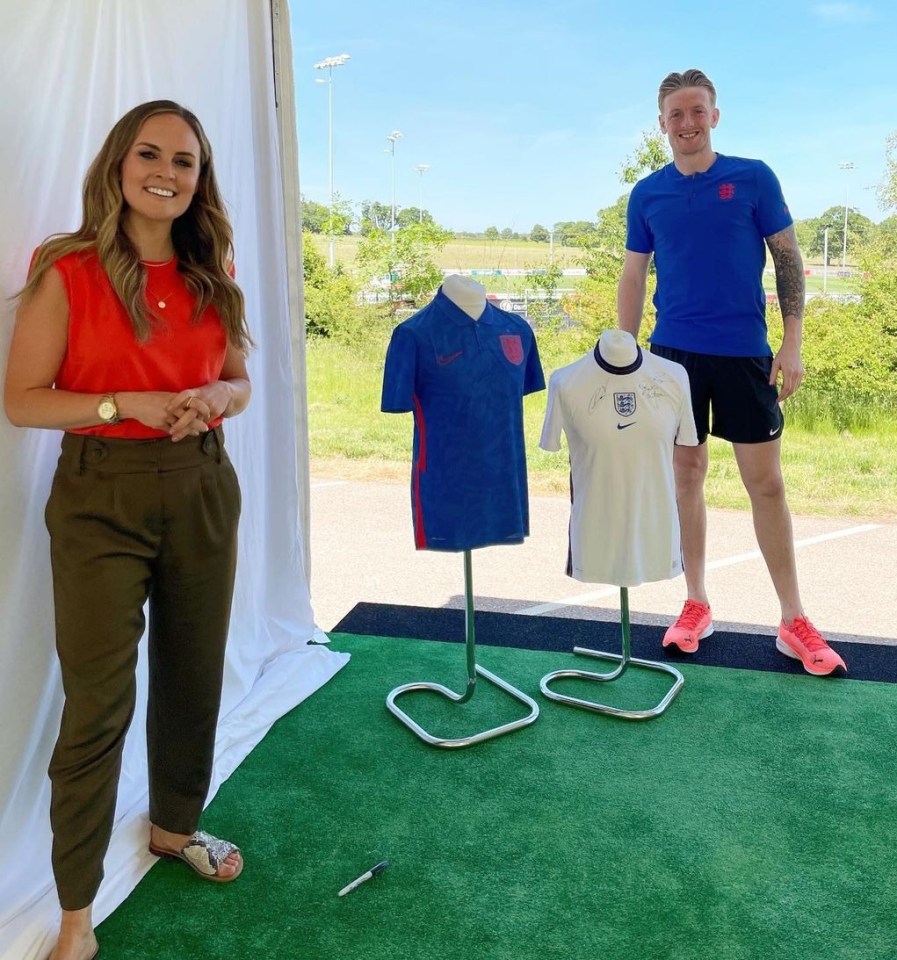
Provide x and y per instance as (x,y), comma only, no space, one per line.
(472,670)
(625,660)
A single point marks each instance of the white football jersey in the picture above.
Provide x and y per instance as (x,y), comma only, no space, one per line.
(621,424)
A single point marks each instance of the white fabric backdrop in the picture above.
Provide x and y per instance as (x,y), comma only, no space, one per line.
(68,70)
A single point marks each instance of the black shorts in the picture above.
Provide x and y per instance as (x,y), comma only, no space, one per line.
(736,389)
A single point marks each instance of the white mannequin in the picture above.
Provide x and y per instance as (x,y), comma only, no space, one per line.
(618,348)
(466,294)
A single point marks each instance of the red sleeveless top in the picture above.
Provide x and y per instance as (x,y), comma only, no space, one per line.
(104,356)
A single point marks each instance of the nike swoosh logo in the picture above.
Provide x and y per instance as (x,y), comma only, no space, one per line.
(442,361)
(623,426)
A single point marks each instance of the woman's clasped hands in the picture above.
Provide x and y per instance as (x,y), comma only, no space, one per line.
(189,415)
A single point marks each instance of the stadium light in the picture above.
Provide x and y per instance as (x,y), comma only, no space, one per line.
(392,138)
(421,168)
(328,63)
(845,166)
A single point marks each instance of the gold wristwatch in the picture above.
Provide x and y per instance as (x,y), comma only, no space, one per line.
(107,410)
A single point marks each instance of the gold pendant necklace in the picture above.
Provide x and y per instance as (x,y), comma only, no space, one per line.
(161,302)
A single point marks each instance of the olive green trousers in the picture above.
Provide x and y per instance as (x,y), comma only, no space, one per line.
(135,524)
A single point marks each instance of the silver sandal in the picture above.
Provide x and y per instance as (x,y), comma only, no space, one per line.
(204,854)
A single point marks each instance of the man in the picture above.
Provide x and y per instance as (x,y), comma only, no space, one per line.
(705,218)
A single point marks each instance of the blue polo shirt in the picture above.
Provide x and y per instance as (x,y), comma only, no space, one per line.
(464,380)
(706,231)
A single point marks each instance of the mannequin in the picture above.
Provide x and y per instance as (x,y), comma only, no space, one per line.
(618,348)
(465,293)
(463,366)
(622,410)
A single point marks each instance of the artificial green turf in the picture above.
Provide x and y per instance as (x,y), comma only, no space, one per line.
(753,820)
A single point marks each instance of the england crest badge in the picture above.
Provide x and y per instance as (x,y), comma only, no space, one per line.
(624,404)
(512,347)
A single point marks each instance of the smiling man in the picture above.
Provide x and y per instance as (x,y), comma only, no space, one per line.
(707,219)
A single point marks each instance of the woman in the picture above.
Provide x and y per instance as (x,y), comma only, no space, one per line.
(131,337)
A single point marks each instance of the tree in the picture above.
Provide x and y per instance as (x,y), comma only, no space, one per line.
(850,349)
(605,241)
(812,236)
(318,218)
(491,233)
(805,231)
(408,215)
(405,258)
(542,283)
(338,221)
(886,238)
(330,296)
(574,233)
(651,154)
(375,216)
(887,189)
(595,303)
(539,234)
(313,215)
(507,234)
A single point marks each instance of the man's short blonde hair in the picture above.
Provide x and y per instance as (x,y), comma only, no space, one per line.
(688,78)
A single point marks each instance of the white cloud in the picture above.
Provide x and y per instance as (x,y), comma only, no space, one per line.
(843,12)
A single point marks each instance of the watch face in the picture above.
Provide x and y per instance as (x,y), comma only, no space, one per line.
(107,410)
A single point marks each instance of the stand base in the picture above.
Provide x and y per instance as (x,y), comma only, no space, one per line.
(449,743)
(623,664)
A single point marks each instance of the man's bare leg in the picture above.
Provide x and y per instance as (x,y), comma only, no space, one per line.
(690,466)
(761,472)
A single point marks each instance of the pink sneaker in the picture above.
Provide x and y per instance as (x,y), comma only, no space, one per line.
(802,641)
(694,623)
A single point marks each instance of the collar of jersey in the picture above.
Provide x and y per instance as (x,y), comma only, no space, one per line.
(677,174)
(459,317)
(619,371)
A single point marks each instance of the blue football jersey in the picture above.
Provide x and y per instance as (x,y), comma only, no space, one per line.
(464,380)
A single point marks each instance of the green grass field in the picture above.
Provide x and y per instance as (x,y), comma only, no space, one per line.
(828,472)
(472,254)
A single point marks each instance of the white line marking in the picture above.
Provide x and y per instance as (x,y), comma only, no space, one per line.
(715,565)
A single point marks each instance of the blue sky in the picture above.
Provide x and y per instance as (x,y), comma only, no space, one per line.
(525,110)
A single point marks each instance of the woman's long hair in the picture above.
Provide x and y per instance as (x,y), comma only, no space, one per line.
(202,236)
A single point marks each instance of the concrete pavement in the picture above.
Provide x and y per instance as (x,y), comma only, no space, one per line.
(362,550)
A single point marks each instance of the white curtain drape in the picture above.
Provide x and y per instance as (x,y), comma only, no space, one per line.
(68,70)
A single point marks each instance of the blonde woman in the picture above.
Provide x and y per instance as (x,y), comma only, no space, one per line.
(131,338)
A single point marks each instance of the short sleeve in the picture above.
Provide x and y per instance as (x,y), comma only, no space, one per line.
(772,214)
(534,378)
(553,423)
(639,238)
(686,432)
(399,372)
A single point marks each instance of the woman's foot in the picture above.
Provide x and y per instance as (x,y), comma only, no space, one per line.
(173,843)
(76,937)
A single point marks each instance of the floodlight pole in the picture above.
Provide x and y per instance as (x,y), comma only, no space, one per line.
(845,166)
(392,138)
(421,168)
(328,64)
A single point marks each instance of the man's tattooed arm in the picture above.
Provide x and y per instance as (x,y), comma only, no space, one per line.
(790,284)
(787,364)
